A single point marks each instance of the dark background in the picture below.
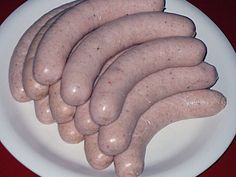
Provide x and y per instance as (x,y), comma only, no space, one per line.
(223,13)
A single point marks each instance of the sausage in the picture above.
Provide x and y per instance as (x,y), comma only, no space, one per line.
(111,90)
(115,137)
(85,64)
(61,111)
(32,88)
(20,52)
(83,121)
(43,111)
(73,25)
(69,133)
(95,157)
(186,105)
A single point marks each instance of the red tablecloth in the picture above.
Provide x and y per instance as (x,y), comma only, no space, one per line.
(223,13)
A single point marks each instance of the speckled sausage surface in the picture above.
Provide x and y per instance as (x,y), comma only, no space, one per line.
(43,111)
(95,157)
(20,52)
(83,120)
(110,92)
(85,63)
(115,137)
(61,111)
(69,133)
(33,89)
(57,43)
(186,105)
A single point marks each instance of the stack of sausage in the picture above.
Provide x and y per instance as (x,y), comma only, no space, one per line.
(113,73)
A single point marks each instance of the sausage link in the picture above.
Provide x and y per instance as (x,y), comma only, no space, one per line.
(85,63)
(83,121)
(115,137)
(20,52)
(69,133)
(76,23)
(43,111)
(186,105)
(61,111)
(33,89)
(110,92)
(95,157)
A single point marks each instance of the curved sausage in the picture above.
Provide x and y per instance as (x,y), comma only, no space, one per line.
(115,137)
(20,52)
(85,64)
(69,133)
(43,111)
(95,157)
(114,85)
(61,111)
(83,121)
(73,25)
(186,105)
(33,89)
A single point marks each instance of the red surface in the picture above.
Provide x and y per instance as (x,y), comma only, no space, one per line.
(223,13)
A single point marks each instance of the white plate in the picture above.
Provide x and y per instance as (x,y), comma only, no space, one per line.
(183,149)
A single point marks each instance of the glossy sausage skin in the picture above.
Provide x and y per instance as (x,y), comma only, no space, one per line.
(21,50)
(69,133)
(61,111)
(43,111)
(115,137)
(32,88)
(186,105)
(76,23)
(83,120)
(85,63)
(110,92)
(95,157)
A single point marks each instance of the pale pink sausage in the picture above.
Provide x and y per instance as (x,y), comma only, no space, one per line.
(32,88)
(110,92)
(43,111)
(69,133)
(61,111)
(95,157)
(20,52)
(108,64)
(85,63)
(57,43)
(186,105)
(83,121)
(115,137)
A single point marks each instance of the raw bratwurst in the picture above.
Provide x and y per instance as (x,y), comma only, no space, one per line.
(186,105)
(73,25)
(21,50)
(85,63)
(135,64)
(115,137)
